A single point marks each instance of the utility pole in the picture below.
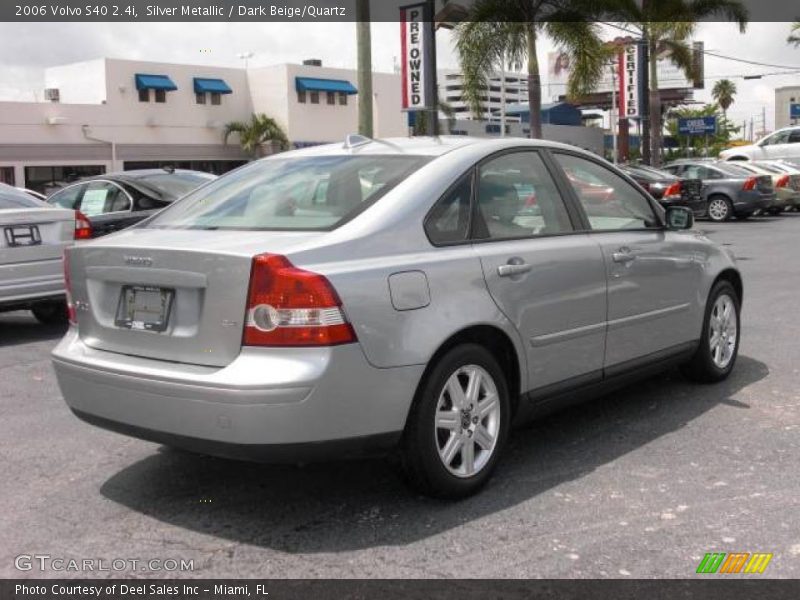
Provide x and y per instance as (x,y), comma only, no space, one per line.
(364,42)
(503,96)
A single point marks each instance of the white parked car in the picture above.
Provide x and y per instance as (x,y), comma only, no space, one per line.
(784,144)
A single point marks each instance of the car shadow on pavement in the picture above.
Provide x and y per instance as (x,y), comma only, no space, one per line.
(355,505)
(22,328)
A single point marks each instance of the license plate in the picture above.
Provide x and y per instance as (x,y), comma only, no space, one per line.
(26,235)
(144,307)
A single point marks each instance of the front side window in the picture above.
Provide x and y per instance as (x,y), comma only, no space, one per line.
(610,202)
(312,193)
(516,197)
(101,197)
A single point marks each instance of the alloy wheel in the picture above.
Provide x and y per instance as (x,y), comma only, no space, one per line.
(723,331)
(718,209)
(467,424)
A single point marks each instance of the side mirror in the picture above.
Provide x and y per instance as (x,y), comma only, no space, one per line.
(679,217)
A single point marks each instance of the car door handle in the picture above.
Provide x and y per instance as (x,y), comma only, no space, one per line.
(511,270)
(623,256)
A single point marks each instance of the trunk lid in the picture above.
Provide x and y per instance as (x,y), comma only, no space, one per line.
(764,183)
(34,234)
(199,279)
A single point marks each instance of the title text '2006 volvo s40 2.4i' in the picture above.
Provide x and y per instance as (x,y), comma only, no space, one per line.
(415,294)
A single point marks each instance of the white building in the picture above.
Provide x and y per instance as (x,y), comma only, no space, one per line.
(107,114)
(509,87)
(785,97)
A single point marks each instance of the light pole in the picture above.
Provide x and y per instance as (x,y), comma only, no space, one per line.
(245,56)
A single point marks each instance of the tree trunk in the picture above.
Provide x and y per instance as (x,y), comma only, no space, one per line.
(655,107)
(534,85)
(364,41)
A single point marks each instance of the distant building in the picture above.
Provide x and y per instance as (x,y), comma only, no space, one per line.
(451,91)
(106,115)
(785,97)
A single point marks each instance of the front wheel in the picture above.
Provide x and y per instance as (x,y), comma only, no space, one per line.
(719,209)
(719,345)
(458,424)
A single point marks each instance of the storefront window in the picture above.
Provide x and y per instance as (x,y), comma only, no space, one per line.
(47,180)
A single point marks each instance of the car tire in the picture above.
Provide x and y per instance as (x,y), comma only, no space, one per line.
(719,343)
(50,313)
(719,208)
(441,453)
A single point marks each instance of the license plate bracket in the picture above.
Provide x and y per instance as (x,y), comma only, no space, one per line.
(22,235)
(144,307)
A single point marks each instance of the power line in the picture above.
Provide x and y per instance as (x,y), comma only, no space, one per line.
(794,68)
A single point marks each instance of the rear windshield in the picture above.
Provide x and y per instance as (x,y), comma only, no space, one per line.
(314,193)
(174,185)
(11,198)
(735,170)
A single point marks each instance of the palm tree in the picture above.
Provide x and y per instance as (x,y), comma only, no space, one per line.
(794,34)
(260,130)
(495,29)
(723,92)
(667,29)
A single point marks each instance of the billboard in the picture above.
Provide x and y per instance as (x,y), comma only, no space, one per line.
(416,55)
(697,126)
(669,76)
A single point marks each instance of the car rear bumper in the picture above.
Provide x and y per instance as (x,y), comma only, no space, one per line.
(268,404)
(31,281)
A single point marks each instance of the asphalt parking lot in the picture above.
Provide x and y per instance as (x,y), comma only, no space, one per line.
(639,484)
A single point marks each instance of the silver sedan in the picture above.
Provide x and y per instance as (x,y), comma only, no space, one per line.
(414,294)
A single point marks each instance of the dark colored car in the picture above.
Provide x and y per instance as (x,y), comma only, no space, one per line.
(115,201)
(729,191)
(669,189)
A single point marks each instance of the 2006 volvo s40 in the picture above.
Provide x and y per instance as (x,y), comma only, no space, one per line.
(421,294)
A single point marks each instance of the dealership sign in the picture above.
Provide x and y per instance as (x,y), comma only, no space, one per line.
(630,86)
(416,47)
(794,111)
(697,126)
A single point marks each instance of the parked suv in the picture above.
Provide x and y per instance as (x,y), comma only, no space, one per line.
(783,144)
(406,293)
(728,190)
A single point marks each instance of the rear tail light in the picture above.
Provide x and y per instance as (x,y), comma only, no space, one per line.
(288,306)
(783,181)
(674,189)
(83,228)
(750,184)
(71,315)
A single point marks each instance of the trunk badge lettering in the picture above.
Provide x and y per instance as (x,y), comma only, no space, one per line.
(138,261)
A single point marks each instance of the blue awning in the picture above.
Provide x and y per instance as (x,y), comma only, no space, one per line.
(154,82)
(214,86)
(312,84)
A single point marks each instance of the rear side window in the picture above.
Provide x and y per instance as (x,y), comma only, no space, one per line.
(610,202)
(68,197)
(311,193)
(102,197)
(448,221)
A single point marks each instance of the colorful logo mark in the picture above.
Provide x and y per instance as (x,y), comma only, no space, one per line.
(734,562)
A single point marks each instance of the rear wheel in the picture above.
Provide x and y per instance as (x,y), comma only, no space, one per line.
(458,424)
(51,313)
(719,344)
(719,208)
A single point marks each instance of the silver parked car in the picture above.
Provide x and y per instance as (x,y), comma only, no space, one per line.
(415,293)
(33,236)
